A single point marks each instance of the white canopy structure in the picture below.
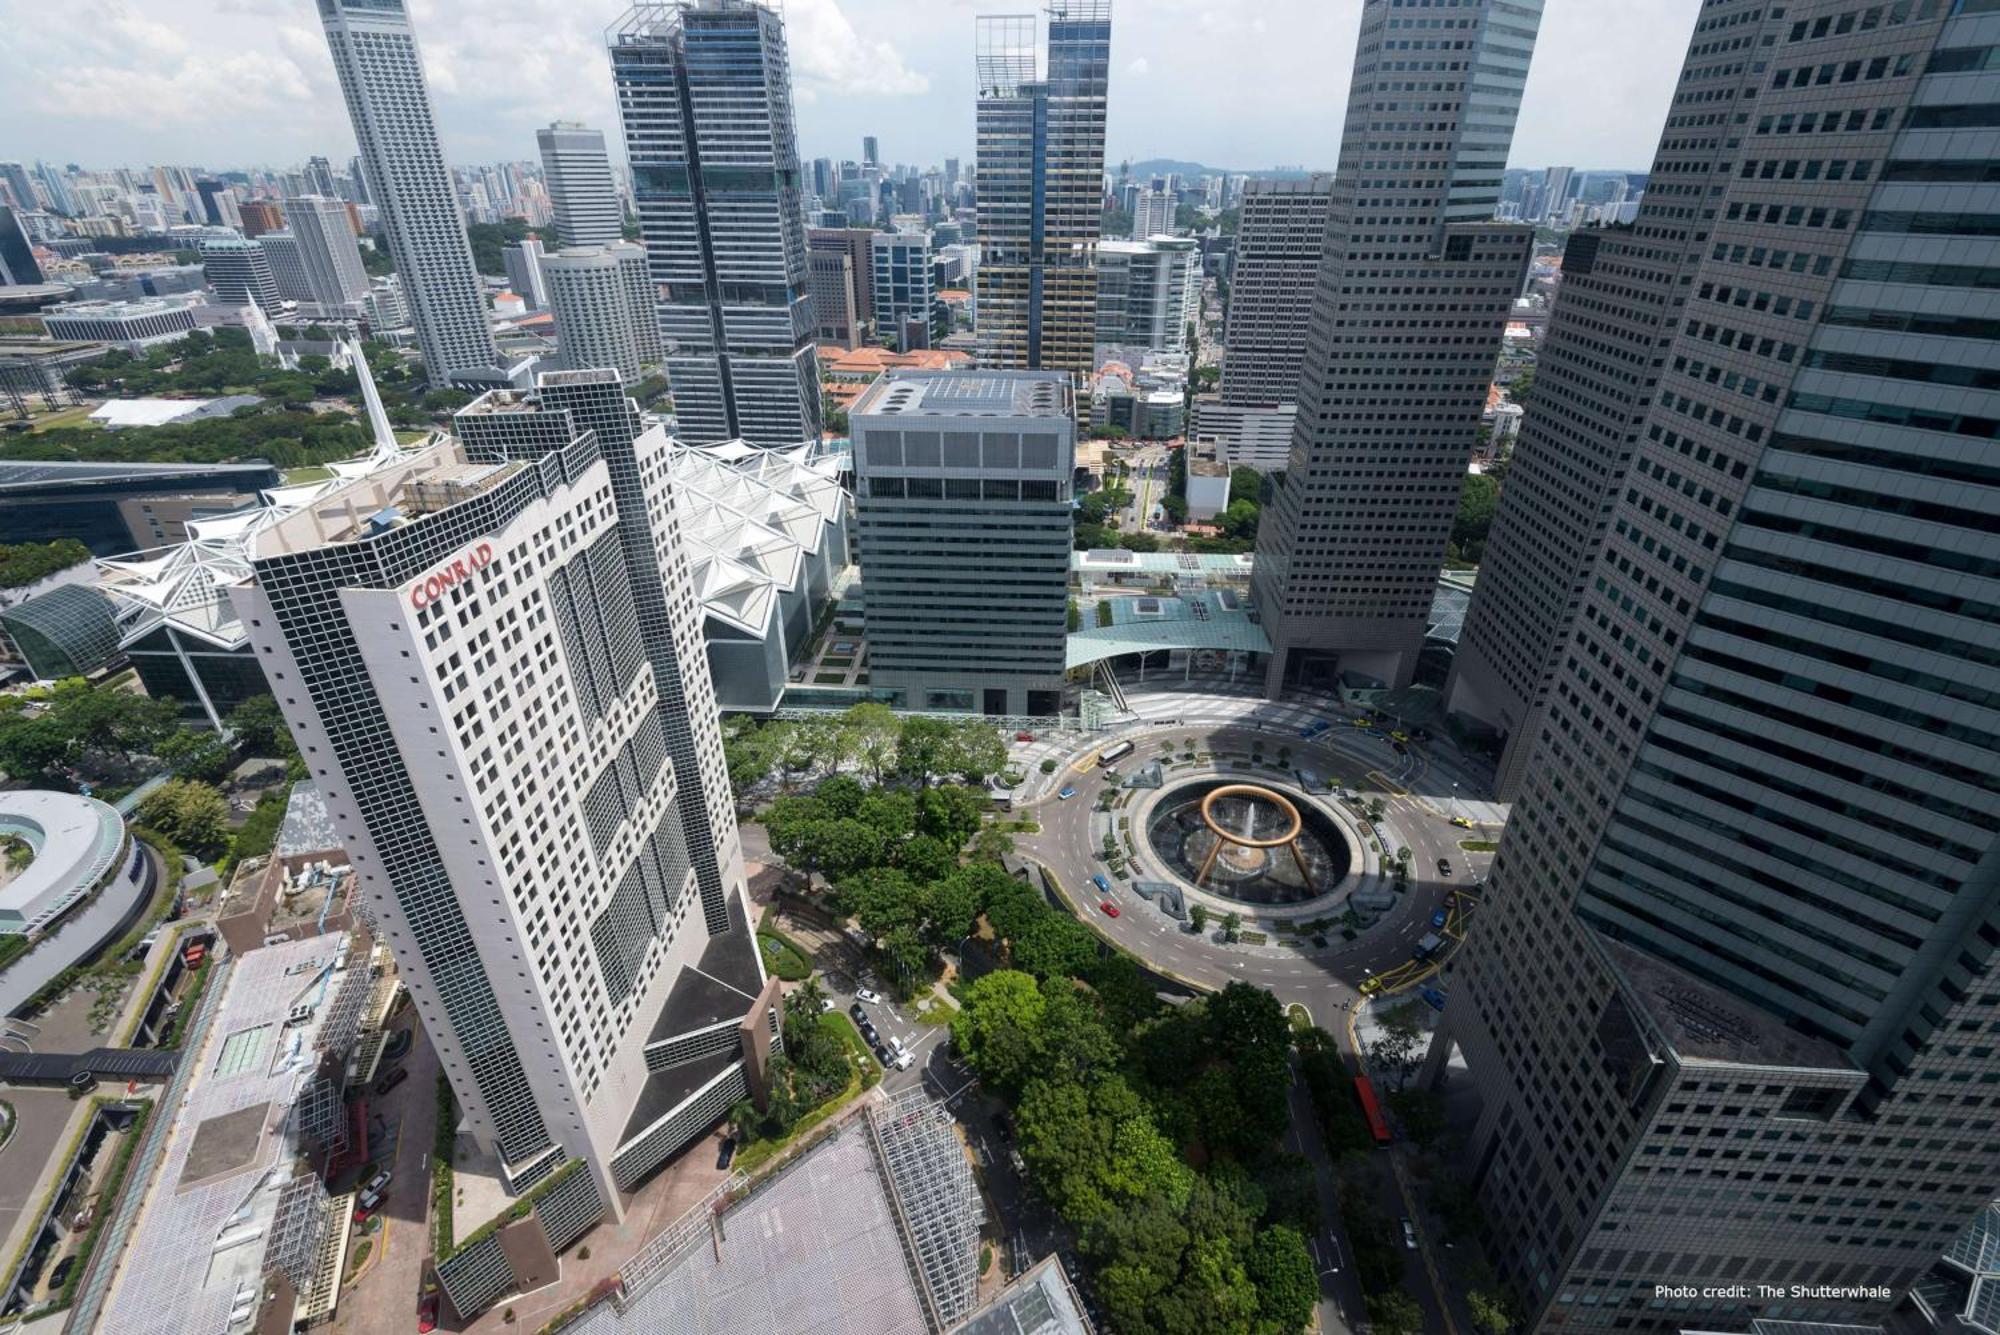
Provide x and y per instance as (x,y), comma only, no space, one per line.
(754,520)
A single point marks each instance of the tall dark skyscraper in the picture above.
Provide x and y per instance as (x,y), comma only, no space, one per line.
(1727,1001)
(17,254)
(705,95)
(1040,178)
(1414,292)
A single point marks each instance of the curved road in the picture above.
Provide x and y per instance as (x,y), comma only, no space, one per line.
(1324,982)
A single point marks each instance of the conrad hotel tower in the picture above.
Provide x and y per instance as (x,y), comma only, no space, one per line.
(490,656)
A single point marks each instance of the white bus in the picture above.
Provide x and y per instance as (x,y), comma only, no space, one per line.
(1111,755)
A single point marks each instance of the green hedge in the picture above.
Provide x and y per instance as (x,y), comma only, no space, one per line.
(443,1141)
(520,1209)
(783,958)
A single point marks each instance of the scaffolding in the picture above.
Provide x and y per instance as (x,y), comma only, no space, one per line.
(297,1229)
(322,1116)
(935,1199)
(1006,55)
(352,985)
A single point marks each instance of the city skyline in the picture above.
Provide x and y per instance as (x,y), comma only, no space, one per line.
(136,88)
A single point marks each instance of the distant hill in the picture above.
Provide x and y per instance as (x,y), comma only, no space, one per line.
(1174,166)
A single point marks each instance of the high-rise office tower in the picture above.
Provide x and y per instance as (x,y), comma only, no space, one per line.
(858,243)
(870,154)
(1725,1002)
(1279,240)
(705,95)
(603,305)
(1148,291)
(241,272)
(288,266)
(210,190)
(1040,176)
(56,186)
(17,253)
(1414,291)
(461,647)
(332,260)
(319,178)
(261,216)
(16,185)
(524,273)
(1152,214)
(576,169)
(1555,192)
(962,515)
(904,293)
(358,174)
(382,76)
(836,308)
(950,172)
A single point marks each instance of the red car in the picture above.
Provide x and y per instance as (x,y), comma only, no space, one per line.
(1110,909)
(427,1314)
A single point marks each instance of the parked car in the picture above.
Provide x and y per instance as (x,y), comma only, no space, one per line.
(872,998)
(366,1204)
(882,1055)
(1024,737)
(1461,822)
(1314,729)
(1066,793)
(903,1060)
(1110,909)
(377,1182)
(868,1032)
(1434,997)
(1439,918)
(1444,866)
(726,1153)
(1427,945)
(1409,1234)
(825,1004)
(391,1080)
(1103,886)
(858,1013)
(398,1044)
(60,1275)
(427,1314)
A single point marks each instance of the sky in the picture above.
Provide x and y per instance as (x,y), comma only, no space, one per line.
(1238,84)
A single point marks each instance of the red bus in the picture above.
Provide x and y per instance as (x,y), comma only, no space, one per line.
(1378,1126)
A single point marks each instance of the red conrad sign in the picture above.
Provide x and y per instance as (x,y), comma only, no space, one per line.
(461,567)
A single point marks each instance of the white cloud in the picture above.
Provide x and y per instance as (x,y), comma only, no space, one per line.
(829,56)
(1139,65)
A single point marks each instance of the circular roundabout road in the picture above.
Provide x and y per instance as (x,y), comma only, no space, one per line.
(1324,980)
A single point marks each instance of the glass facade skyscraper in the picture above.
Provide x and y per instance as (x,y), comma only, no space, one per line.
(705,97)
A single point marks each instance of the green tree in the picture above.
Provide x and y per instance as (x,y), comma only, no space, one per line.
(837,848)
(875,729)
(1198,916)
(1054,945)
(1421,1113)
(1393,1313)
(991,844)
(998,1029)
(194,754)
(881,899)
(1287,1281)
(192,814)
(841,795)
(950,908)
(927,859)
(949,814)
(259,727)
(22,564)
(1478,501)
(920,749)
(975,751)
(1400,1046)
(1489,1312)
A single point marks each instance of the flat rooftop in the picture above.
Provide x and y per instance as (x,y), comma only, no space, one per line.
(196,1251)
(908,393)
(433,480)
(1704,1023)
(75,841)
(816,1249)
(1040,1302)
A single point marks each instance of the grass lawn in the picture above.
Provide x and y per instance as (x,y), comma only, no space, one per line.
(829,678)
(311,473)
(935,1012)
(1479,845)
(77,416)
(411,437)
(783,958)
